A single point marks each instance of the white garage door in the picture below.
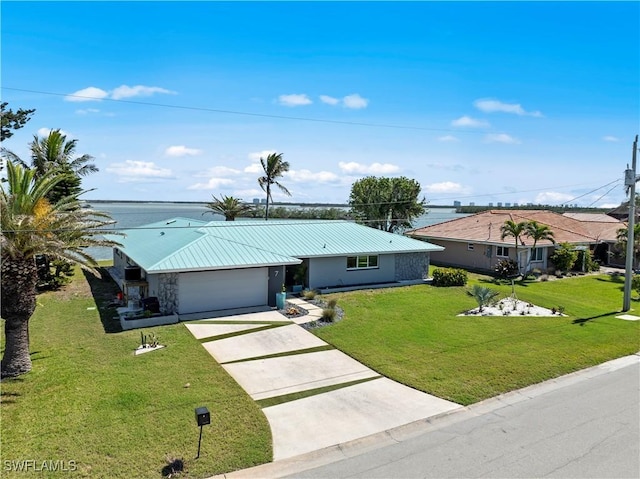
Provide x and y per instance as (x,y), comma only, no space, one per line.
(215,290)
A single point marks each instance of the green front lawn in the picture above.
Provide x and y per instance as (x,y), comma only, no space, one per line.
(91,401)
(413,335)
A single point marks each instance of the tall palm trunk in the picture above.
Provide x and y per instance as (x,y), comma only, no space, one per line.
(266,211)
(18,304)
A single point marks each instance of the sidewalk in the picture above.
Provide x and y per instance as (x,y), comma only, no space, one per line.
(314,396)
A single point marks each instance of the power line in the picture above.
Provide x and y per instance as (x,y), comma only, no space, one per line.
(244,113)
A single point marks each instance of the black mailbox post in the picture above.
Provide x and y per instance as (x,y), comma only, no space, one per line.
(202,419)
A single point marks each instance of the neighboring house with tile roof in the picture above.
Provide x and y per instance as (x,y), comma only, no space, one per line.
(475,241)
(195,266)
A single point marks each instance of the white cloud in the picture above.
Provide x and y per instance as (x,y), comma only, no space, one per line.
(45,132)
(355,102)
(489,105)
(139,171)
(329,100)
(212,184)
(87,94)
(551,197)
(372,169)
(294,100)
(501,138)
(303,176)
(610,138)
(125,91)
(181,150)
(253,168)
(470,122)
(448,139)
(444,187)
(260,154)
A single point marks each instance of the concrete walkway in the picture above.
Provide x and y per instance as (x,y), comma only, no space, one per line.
(336,399)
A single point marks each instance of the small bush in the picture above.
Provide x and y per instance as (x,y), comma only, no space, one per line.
(309,294)
(544,277)
(506,268)
(328,315)
(564,257)
(331,304)
(449,277)
(635,283)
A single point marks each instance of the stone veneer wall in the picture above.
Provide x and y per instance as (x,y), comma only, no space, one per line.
(168,292)
(410,266)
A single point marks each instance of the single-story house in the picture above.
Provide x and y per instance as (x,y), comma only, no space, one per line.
(195,266)
(475,242)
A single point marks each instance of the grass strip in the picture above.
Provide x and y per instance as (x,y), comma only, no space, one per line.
(286,353)
(239,333)
(309,392)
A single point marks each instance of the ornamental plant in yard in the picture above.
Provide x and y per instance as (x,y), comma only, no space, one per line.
(484,296)
(449,277)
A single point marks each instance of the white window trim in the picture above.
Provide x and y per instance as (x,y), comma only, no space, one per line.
(358,268)
(470,246)
(498,255)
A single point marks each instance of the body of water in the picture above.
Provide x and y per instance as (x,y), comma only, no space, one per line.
(132,215)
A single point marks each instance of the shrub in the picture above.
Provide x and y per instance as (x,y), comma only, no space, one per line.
(506,268)
(590,263)
(449,277)
(328,315)
(635,283)
(309,294)
(331,304)
(564,257)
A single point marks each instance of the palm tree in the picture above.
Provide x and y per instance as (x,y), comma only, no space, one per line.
(55,152)
(538,232)
(484,296)
(511,228)
(31,225)
(228,206)
(274,168)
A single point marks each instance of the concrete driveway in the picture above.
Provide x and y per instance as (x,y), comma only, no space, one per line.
(313,395)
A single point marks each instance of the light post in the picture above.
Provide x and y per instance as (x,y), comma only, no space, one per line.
(202,419)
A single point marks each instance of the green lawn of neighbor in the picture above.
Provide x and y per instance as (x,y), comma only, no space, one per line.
(90,400)
(413,335)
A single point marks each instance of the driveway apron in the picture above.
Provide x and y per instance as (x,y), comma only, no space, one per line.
(313,395)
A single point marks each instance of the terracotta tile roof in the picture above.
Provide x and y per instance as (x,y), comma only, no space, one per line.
(484,227)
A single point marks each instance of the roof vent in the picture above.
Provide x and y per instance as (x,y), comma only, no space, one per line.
(161,233)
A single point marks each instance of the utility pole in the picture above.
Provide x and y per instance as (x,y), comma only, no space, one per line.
(630,180)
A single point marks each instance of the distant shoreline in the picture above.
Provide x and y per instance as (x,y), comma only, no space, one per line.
(459,209)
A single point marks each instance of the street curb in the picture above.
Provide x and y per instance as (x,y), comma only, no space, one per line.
(335,453)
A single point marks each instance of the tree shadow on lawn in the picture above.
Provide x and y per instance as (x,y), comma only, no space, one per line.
(583,321)
(104,290)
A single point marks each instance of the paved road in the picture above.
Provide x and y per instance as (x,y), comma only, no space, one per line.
(583,429)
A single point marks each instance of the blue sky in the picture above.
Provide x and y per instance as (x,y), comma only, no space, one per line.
(479,102)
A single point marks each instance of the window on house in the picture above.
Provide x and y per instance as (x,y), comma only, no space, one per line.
(537,254)
(362,262)
(470,246)
(502,251)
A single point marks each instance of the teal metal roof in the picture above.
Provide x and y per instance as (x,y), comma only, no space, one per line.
(184,244)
